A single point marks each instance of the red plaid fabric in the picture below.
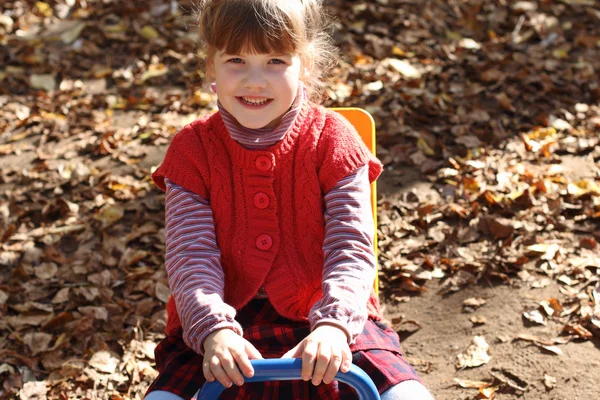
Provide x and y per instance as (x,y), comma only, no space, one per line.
(376,351)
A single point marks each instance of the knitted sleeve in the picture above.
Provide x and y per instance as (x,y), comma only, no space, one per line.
(340,151)
(185,164)
(193,266)
(349,265)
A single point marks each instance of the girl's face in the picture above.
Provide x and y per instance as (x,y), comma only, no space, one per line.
(257,89)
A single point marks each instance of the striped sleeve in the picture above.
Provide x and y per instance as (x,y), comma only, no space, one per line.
(193,266)
(349,267)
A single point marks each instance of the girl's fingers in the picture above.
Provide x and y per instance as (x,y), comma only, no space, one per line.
(219,372)
(207,372)
(308,359)
(322,363)
(295,352)
(346,359)
(251,351)
(243,363)
(334,365)
(231,369)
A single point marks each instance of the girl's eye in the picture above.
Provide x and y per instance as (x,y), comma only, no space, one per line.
(277,61)
(235,60)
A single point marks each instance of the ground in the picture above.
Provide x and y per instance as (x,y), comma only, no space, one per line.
(488,120)
(446,330)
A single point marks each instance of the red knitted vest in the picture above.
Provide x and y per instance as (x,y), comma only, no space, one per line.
(268,204)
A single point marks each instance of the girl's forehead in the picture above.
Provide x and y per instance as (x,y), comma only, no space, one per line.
(254,53)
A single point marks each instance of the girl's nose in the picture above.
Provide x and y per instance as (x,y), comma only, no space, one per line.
(255,80)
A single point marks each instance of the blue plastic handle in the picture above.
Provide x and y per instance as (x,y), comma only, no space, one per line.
(286,369)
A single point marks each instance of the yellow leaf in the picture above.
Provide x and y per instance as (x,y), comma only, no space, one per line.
(424,147)
(542,133)
(110,214)
(120,27)
(44,8)
(561,54)
(575,190)
(515,194)
(452,35)
(397,51)
(117,186)
(202,98)
(471,185)
(148,32)
(154,71)
(52,116)
(583,187)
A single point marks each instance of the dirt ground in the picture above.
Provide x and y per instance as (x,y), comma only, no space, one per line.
(447,331)
(488,121)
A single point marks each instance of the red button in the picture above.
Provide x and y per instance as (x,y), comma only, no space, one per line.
(261,200)
(264,242)
(263,163)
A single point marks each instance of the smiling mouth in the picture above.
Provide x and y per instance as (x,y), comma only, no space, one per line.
(255,101)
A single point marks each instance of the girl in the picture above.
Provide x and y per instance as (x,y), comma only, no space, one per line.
(269,232)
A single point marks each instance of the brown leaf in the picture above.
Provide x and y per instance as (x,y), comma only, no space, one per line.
(578,330)
(478,319)
(491,75)
(588,243)
(99,313)
(500,228)
(162,292)
(38,342)
(46,271)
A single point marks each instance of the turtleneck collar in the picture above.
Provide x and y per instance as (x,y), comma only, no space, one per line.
(263,137)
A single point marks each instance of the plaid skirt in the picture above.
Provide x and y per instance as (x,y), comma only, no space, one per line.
(376,351)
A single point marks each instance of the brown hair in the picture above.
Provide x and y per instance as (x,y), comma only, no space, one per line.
(270,26)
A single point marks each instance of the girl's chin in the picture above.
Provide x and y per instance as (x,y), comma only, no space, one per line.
(254,122)
(254,125)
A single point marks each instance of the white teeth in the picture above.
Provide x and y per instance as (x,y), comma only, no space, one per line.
(254,101)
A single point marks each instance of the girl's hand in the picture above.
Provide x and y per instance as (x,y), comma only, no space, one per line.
(323,353)
(224,352)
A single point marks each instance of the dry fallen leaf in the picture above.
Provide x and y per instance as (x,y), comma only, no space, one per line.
(470,384)
(37,342)
(162,292)
(549,382)
(104,361)
(489,392)
(473,303)
(535,316)
(34,390)
(476,355)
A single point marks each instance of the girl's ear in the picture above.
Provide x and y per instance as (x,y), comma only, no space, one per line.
(308,64)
